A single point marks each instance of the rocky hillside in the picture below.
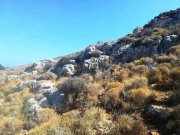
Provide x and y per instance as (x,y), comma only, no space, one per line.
(129,86)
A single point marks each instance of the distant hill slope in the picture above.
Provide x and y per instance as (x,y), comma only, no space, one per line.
(165,19)
(2,67)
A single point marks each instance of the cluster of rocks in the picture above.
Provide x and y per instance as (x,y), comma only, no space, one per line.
(41,66)
(97,57)
(159,113)
(11,77)
(46,95)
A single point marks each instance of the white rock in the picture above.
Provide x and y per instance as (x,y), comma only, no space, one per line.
(11,77)
(46,85)
(90,49)
(94,64)
(68,70)
(43,103)
(72,62)
(33,105)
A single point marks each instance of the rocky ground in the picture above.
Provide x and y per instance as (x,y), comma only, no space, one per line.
(128,86)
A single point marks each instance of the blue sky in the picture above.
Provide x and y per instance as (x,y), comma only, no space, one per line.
(31,30)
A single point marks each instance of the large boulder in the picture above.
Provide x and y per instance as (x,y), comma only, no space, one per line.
(41,66)
(90,49)
(158,112)
(36,104)
(68,70)
(137,48)
(167,42)
(50,97)
(54,98)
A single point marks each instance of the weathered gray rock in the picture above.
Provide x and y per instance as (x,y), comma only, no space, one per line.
(158,112)
(11,77)
(34,85)
(36,104)
(43,103)
(137,49)
(41,66)
(94,64)
(68,70)
(54,98)
(33,105)
(31,84)
(167,42)
(45,85)
(90,49)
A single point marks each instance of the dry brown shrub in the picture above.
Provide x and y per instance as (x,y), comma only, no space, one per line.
(111,99)
(120,74)
(144,60)
(127,125)
(166,59)
(88,77)
(175,75)
(160,32)
(175,50)
(154,76)
(93,121)
(135,82)
(47,76)
(140,96)
(141,70)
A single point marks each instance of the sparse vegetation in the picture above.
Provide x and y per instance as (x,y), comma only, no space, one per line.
(114,100)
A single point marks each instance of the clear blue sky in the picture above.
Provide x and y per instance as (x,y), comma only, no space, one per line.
(31,30)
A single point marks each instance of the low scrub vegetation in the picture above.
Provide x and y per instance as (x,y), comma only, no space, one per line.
(113,102)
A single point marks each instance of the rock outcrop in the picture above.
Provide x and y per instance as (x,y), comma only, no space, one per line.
(165,19)
(42,66)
